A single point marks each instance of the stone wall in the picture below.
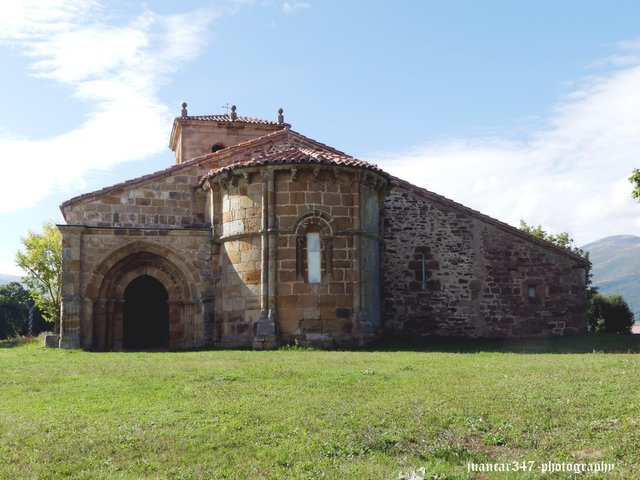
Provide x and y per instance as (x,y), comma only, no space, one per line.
(98,265)
(226,235)
(192,138)
(325,201)
(237,215)
(261,217)
(167,200)
(451,271)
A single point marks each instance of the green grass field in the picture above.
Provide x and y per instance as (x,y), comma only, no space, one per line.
(296,413)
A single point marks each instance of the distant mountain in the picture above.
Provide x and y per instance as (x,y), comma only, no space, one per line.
(6,278)
(616,267)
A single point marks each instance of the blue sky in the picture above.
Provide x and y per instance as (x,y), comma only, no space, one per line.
(522,110)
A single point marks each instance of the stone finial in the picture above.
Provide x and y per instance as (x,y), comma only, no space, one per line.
(184,112)
(280,115)
(234,115)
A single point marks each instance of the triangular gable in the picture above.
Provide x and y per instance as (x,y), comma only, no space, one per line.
(236,154)
(580,262)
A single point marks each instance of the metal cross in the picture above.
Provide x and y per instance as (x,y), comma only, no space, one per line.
(227,107)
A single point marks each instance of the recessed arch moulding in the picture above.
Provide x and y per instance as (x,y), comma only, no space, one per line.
(98,267)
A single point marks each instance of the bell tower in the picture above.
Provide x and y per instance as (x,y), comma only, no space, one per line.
(193,136)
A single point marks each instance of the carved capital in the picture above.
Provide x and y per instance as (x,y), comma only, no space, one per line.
(266,175)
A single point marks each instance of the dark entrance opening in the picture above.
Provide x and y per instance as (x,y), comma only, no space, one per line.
(146,315)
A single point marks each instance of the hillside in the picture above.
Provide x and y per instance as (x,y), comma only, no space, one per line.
(616,267)
(6,278)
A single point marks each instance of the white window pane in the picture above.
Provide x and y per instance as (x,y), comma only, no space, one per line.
(313,257)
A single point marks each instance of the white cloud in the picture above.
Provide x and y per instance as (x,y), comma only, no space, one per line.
(570,175)
(127,121)
(292,7)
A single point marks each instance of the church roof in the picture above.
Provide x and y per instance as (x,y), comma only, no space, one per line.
(228,119)
(287,147)
(295,149)
(276,148)
(231,119)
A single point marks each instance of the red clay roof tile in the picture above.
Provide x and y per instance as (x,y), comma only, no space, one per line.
(227,118)
(298,149)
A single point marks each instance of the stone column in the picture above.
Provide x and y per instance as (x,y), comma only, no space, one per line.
(100,324)
(356,239)
(176,324)
(86,324)
(265,333)
(71,301)
(272,235)
(111,310)
(70,328)
(118,326)
(189,326)
(264,236)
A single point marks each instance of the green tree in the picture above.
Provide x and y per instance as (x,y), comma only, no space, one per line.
(41,259)
(610,314)
(635,181)
(562,240)
(596,322)
(15,303)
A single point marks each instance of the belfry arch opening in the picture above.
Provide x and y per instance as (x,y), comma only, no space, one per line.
(145,315)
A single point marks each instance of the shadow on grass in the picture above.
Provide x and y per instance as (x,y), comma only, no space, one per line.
(16,341)
(596,343)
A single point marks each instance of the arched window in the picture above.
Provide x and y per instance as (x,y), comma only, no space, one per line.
(216,147)
(314,247)
(314,264)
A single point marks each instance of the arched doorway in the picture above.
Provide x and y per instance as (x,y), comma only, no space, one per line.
(146,314)
(190,318)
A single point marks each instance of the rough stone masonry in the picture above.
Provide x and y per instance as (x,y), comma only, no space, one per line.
(259,236)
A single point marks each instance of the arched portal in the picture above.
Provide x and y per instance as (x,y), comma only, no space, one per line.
(117,282)
(145,315)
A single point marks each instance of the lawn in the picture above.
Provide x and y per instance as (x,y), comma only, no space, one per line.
(296,413)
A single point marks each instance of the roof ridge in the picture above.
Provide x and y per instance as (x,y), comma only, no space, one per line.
(242,145)
(173,168)
(285,132)
(304,138)
(299,150)
(225,117)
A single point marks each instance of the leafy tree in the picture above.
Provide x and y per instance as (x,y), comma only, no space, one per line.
(14,310)
(41,259)
(610,314)
(562,240)
(635,181)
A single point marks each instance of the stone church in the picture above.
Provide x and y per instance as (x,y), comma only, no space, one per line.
(259,236)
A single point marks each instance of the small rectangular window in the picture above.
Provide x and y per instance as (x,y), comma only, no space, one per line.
(531,291)
(313,257)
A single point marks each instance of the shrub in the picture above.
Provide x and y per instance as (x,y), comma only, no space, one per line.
(610,314)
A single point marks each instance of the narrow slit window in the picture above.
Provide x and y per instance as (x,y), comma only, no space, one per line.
(313,257)
(531,291)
